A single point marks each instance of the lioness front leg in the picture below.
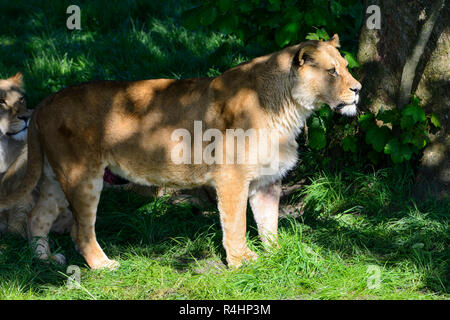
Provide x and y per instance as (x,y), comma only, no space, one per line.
(264,202)
(84,198)
(232,197)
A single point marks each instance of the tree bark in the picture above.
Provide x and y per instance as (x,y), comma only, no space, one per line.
(412,61)
(383,54)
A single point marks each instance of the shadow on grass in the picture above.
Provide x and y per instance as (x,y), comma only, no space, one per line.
(179,235)
(176,235)
(132,40)
(400,233)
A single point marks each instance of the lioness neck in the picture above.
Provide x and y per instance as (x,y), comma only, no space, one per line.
(285,113)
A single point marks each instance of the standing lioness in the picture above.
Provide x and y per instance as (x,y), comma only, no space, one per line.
(129,128)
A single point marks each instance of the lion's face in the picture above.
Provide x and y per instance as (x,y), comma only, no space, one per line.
(323,78)
(14,115)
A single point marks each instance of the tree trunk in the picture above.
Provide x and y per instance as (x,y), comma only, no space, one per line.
(383,54)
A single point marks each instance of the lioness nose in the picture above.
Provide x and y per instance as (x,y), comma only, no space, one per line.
(356,88)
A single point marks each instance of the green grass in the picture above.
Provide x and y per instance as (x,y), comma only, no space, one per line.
(352,220)
(174,251)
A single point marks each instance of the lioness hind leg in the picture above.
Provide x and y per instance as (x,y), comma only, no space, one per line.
(264,203)
(84,198)
(232,203)
(64,221)
(50,204)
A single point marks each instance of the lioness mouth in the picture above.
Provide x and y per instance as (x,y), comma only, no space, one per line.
(341,106)
(14,133)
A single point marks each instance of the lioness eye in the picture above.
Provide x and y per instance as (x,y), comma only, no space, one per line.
(333,72)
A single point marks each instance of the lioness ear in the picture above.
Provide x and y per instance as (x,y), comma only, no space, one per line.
(17,79)
(334,41)
(304,55)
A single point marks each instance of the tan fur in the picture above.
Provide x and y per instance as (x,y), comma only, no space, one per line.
(128,126)
(45,206)
(13,112)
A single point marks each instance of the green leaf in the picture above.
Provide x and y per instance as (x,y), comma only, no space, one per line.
(287,34)
(398,151)
(378,137)
(349,144)
(406,151)
(323,35)
(387,116)
(366,121)
(320,34)
(393,148)
(435,120)
(397,158)
(325,112)
(406,137)
(415,112)
(316,138)
(315,123)
(351,59)
(415,101)
(312,36)
(419,142)
(407,122)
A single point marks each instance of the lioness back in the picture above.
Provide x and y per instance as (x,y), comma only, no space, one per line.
(137,122)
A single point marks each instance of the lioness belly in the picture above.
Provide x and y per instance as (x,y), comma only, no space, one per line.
(183,176)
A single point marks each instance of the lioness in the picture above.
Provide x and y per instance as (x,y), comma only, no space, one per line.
(129,128)
(13,133)
(49,213)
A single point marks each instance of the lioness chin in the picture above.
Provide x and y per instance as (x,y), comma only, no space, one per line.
(129,128)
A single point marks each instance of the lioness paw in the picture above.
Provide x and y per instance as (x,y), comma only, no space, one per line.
(106,264)
(59,258)
(236,261)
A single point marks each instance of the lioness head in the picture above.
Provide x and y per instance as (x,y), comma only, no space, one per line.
(322,77)
(14,115)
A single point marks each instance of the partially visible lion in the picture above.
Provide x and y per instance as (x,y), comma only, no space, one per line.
(43,209)
(134,129)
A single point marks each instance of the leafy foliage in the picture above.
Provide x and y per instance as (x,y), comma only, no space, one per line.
(275,23)
(408,132)
(396,134)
